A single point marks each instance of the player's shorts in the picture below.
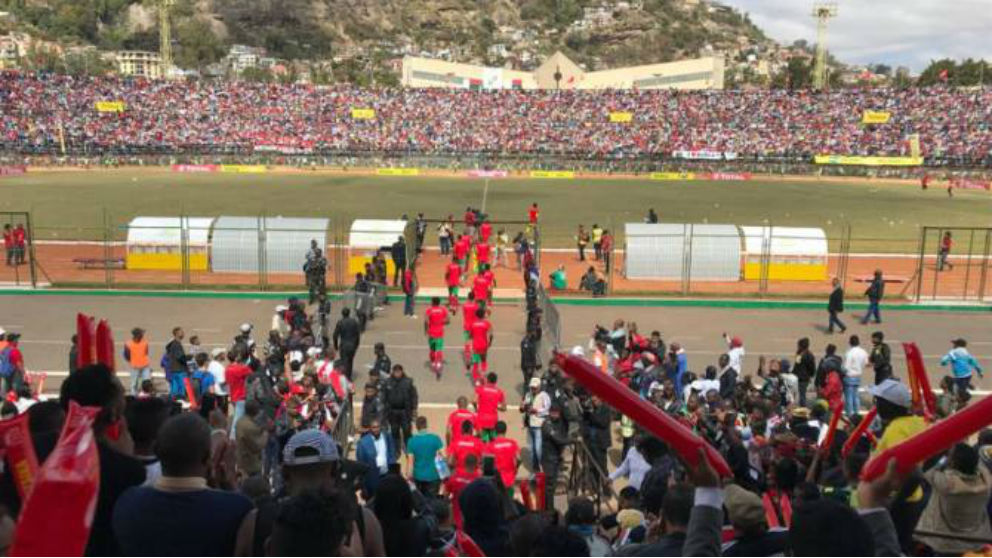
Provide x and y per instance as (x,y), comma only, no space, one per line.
(460,262)
(468,336)
(435,343)
(453,291)
(478,357)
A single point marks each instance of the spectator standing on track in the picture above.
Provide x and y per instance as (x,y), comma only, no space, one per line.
(420,232)
(11,364)
(9,247)
(347,338)
(489,401)
(875,292)
(854,367)
(401,402)
(136,354)
(606,248)
(398,252)
(944,252)
(962,365)
(423,448)
(444,233)
(597,239)
(804,369)
(20,243)
(581,242)
(409,292)
(835,306)
(377,452)
(529,363)
(533,214)
(880,357)
(502,246)
(176,368)
(535,408)
(735,352)
(237,374)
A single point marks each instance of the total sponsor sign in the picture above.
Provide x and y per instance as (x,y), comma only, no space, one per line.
(244,169)
(487,174)
(552,174)
(397,172)
(195,168)
(12,171)
(704,155)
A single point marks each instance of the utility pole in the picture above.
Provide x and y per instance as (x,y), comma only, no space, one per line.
(822,11)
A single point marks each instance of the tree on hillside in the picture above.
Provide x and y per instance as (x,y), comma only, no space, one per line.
(797,74)
(198,46)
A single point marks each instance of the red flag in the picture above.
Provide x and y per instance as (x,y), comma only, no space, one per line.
(57,517)
(15,440)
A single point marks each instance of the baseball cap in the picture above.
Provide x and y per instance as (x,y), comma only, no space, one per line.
(744,507)
(308,447)
(578,351)
(245,328)
(281,308)
(535,382)
(894,392)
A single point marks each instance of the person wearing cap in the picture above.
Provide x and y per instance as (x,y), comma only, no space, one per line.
(179,515)
(136,355)
(244,335)
(279,321)
(735,351)
(535,407)
(880,357)
(962,364)
(217,368)
(311,461)
(752,537)
(377,452)
(383,365)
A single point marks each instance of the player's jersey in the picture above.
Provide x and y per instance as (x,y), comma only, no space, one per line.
(455,420)
(532,214)
(462,448)
(454,485)
(461,248)
(505,450)
(436,317)
(480,335)
(468,314)
(480,287)
(483,251)
(490,278)
(490,398)
(453,275)
(485,231)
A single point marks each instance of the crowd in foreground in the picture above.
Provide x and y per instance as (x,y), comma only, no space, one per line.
(39,111)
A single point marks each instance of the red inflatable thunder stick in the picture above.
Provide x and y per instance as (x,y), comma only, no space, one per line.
(828,440)
(920,382)
(649,417)
(935,439)
(15,441)
(58,514)
(95,343)
(858,431)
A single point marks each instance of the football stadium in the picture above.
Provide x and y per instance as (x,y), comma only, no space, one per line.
(554,305)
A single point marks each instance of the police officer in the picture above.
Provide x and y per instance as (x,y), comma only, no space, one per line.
(347,337)
(315,270)
(554,439)
(401,401)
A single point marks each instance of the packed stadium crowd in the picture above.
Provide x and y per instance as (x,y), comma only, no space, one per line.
(40,111)
(259,447)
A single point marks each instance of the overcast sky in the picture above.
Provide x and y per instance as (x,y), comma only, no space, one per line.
(895,32)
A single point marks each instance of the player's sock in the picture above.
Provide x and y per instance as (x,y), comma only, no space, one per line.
(431,355)
(440,356)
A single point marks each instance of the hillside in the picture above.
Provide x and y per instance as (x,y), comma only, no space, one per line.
(596,33)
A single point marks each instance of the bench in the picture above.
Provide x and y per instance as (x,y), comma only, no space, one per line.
(99,263)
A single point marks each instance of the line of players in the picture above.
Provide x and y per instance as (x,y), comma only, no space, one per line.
(478,330)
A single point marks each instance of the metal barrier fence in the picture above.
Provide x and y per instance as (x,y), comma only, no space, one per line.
(550,324)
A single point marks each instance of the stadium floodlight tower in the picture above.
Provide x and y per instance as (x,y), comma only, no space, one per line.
(165,35)
(822,11)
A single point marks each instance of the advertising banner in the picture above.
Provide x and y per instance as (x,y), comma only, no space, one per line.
(875,117)
(868,161)
(552,174)
(110,106)
(970,183)
(728,176)
(621,117)
(487,174)
(12,171)
(363,114)
(397,172)
(243,169)
(195,168)
(704,155)
(672,176)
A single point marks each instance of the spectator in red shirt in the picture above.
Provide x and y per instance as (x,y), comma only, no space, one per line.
(456,418)
(457,482)
(20,243)
(489,401)
(13,361)
(533,214)
(236,375)
(466,445)
(507,454)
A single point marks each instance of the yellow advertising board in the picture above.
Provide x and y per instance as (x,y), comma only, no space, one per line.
(397,172)
(243,169)
(110,106)
(868,161)
(552,174)
(783,271)
(621,117)
(672,176)
(914,145)
(875,117)
(363,114)
(165,261)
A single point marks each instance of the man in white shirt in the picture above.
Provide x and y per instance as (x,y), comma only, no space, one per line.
(535,407)
(216,368)
(854,365)
(735,351)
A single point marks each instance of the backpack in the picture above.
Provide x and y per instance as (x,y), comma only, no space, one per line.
(6,366)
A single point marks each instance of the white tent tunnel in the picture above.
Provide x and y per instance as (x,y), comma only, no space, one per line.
(721,252)
(271,244)
(368,237)
(160,243)
(223,244)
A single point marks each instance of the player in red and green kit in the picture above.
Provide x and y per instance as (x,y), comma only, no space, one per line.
(485,231)
(437,318)
(459,252)
(482,339)
(483,254)
(452,278)
(490,277)
(468,318)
